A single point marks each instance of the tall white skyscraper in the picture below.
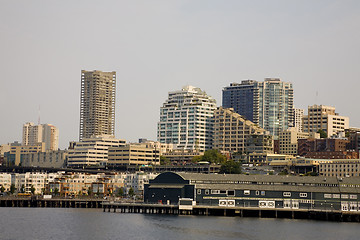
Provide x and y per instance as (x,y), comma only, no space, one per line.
(186,119)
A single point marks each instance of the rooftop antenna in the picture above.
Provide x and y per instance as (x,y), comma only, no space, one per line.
(39,116)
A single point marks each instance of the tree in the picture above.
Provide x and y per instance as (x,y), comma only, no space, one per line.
(22,189)
(131,192)
(164,160)
(32,189)
(323,134)
(56,191)
(12,188)
(120,192)
(211,156)
(89,191)
(2,189)
(230,167)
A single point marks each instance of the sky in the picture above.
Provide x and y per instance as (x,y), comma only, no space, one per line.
(160,46)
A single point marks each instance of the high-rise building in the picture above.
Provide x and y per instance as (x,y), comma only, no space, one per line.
(186,119)
(298,119)
(274,109)
(240,97)
(268,104)
(324,118)
(97,103)
(47,133)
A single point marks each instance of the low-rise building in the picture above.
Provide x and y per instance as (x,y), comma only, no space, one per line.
(267,158)
(92,151)
(288,140)
(5,181)
(340,168)
(181,156)
(48,159)
(134,154)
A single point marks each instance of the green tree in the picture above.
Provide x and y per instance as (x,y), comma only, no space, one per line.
(89,191)
(323,134)
(230,167)
(32,189)
(56,191)
(211,156)
(12,188)
(2,189)
(120,192)
(164,160)
(131,192)
(22,190)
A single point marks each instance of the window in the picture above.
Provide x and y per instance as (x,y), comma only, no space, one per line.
(304,195)
(262,193)
(199,191)
(222,191)
(287,194)
(246,192)
(257,192)
(231,193)
(207,192)
(215,191)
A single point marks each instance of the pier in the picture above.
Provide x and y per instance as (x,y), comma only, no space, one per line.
(199,210)
(54,203)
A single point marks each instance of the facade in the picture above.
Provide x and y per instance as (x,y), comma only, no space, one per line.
(241,97)
(270,104)
(24,182)
(231,131)
(186,119)
(321,117)
(136,181)
(288,140)
(48,159)
(92,151)
(333,155)
(354,138)
(306,146)
(134,154)
(5,181)
(275,106)
(340,168)
(181,156)
(259,143)
(298,119)
(256,191)
(267,158)
(47,133)
(18,151)
(97,103)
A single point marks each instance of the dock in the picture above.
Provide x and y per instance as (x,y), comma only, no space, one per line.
(54,203)
(200,210)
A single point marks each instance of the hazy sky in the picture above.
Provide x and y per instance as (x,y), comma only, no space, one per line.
(160,46)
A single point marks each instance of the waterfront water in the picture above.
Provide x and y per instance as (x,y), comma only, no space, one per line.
(57,223)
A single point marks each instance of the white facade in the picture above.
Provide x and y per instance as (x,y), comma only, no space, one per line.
(298,119)
(186,119)
(5,181)
(288,140)
(92,151)
(47,133)
(137,180)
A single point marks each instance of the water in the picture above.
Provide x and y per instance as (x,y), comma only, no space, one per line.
(57,223)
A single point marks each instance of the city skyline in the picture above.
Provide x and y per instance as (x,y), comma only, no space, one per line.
(205,44)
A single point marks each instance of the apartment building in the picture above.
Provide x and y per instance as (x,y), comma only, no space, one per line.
(231,130)
(18,152)
(298,119)
(47,133)
(5,181)
(321,117)
(97,103)
(186,119)
(288,140)
(268,104)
